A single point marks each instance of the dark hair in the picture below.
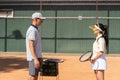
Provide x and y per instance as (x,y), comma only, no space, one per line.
(104,32)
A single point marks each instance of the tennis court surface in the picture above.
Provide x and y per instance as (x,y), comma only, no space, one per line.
(14,67)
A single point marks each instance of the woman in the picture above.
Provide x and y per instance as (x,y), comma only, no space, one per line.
(98,59)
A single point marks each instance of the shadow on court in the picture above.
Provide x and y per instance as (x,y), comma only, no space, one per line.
(14,67)
(8,64)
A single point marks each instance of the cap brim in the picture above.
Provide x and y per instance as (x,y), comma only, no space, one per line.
(43,18)
(92,27)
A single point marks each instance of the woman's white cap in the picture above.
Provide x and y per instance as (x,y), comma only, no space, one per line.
(95,27)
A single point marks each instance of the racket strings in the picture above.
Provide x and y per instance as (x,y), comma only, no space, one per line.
(86,56)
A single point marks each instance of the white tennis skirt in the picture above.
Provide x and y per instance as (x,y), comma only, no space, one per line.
(99,64)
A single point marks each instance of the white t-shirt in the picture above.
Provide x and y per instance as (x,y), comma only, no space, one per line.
(99,45)
(33,34)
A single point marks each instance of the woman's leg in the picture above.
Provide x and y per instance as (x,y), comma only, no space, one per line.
(99,74)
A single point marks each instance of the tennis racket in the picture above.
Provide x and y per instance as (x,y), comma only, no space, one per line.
(86,56)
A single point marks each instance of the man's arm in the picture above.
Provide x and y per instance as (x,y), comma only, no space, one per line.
(33,53)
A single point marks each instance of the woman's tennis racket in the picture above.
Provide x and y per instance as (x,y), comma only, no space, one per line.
(86,56)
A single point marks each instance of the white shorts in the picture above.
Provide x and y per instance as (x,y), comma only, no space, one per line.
(99,64)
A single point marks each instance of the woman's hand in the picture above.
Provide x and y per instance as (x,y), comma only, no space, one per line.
(92,60)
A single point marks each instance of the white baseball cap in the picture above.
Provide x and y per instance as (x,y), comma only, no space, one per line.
(38,15)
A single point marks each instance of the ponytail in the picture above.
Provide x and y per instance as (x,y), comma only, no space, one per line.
(105,34)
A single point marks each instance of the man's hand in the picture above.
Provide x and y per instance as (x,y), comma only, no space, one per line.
(36,63)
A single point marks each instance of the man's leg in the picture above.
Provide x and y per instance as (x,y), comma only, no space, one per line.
(33,72)
(33,77)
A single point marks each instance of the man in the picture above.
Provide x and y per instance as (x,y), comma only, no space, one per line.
(33,46)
